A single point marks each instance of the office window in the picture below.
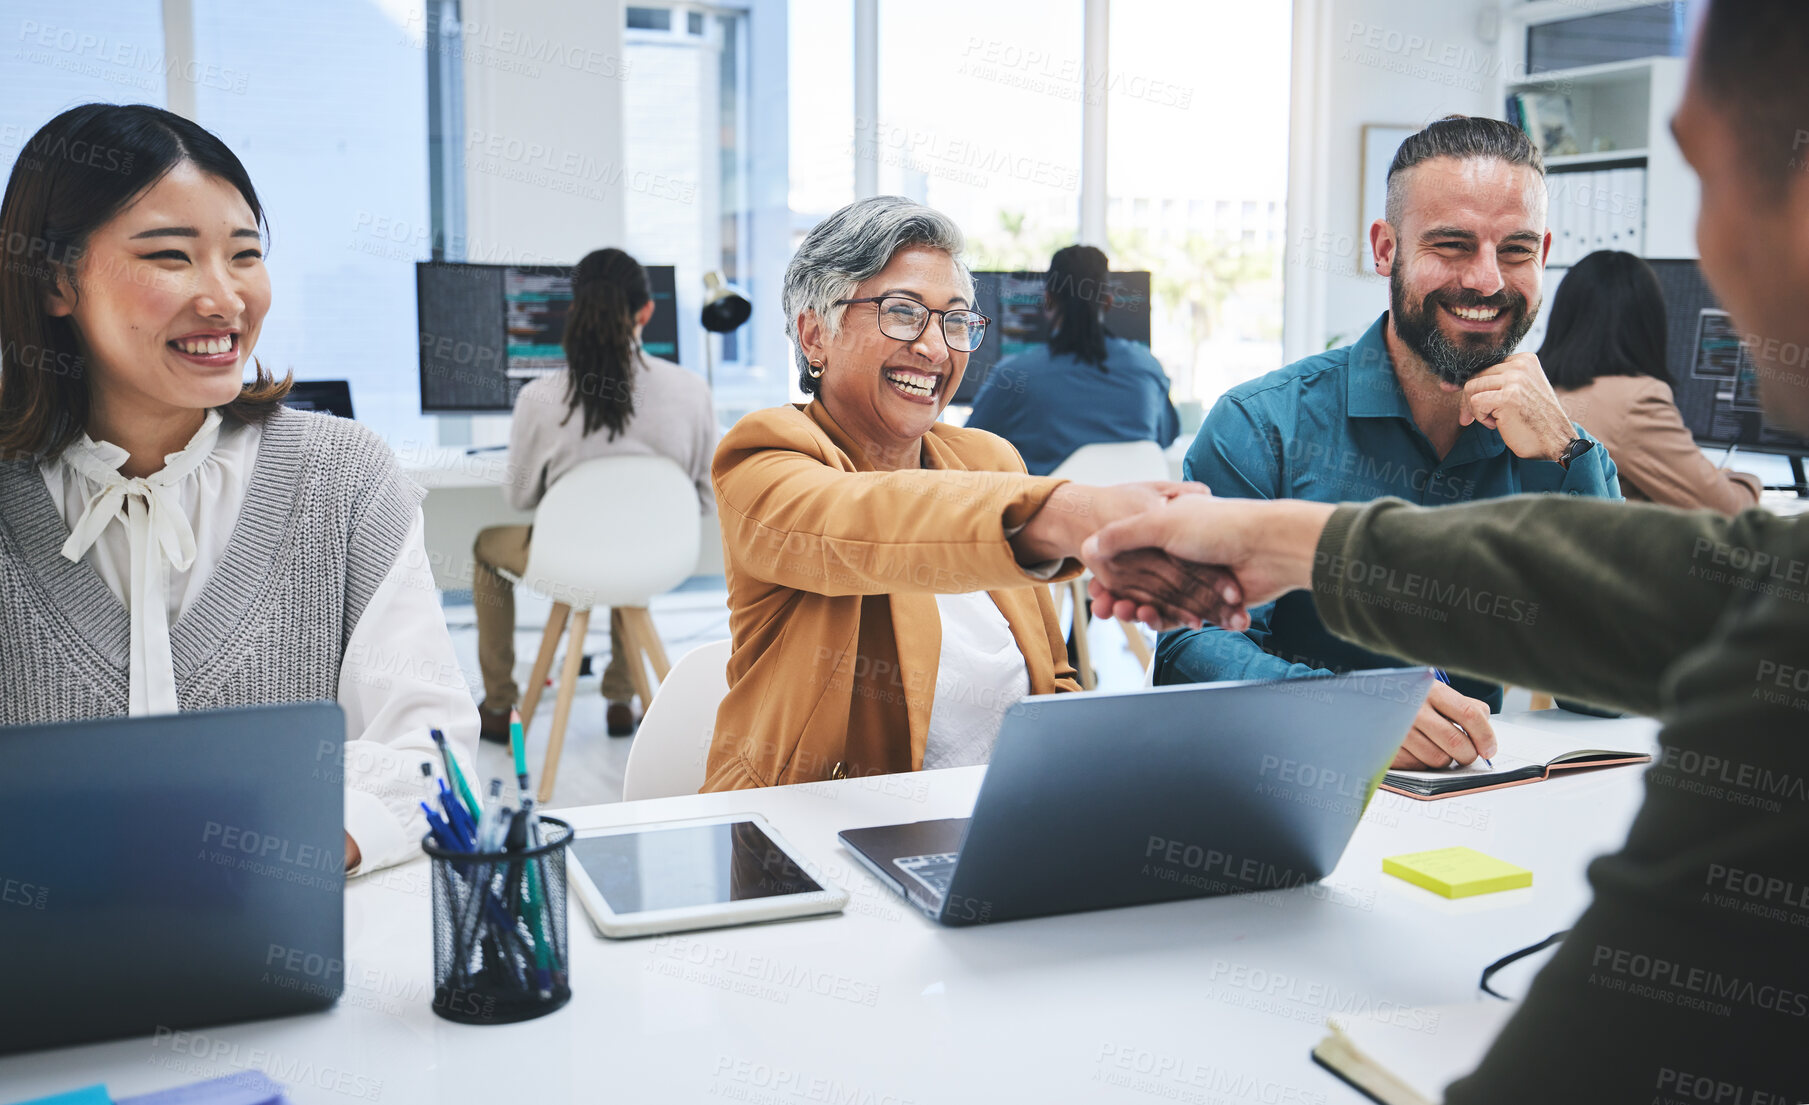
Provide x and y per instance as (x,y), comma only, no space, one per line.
(57,57)
(649,19)
(820,73)
(685,117)
(979,117)
(442,40)
(1661,30)
(1210,128)
(694,23)
(330,120)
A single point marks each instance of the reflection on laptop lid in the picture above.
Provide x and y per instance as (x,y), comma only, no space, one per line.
(1093,801)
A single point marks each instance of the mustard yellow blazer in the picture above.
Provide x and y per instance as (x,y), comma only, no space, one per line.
(833,571)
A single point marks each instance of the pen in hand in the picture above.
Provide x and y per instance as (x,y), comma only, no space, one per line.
(1446,680)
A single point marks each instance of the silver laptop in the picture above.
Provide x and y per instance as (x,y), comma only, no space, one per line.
(171,871)
(1093,801)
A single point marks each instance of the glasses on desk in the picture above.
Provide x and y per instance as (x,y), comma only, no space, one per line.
(904,319)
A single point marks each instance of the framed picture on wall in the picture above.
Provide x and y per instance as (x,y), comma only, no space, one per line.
(1380,141)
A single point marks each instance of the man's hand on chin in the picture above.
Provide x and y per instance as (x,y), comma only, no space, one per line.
(1515,399)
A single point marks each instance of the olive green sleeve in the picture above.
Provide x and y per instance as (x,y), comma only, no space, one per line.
(1578,597)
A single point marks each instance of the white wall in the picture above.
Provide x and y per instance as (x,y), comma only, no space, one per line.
(545,172)
(1394,62)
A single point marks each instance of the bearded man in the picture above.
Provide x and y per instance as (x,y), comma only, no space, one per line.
(1431,405)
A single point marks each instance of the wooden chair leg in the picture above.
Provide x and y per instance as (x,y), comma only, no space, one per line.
(1139,647)
(562,708)
(635,655)
(543,663)
(1082,659)
(651,643)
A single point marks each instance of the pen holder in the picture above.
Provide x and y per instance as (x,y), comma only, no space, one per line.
(499,930)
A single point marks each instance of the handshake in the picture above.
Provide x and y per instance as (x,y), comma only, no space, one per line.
(1169,554)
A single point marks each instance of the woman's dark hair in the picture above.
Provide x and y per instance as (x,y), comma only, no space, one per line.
(601,349)
(1077,287)
(78,171)
(1607,319)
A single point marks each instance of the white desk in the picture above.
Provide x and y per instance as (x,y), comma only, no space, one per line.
(881,1006)
(1785,503)
(465,495)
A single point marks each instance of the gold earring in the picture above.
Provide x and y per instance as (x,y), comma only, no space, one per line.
(816,370)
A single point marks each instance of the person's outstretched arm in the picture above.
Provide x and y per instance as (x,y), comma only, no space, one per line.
(1584,599)
(793,520)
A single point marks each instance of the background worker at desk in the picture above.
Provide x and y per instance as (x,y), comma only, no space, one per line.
(611,399)
(1431,405)
(1674,966)
(1604,352)
(1086,386)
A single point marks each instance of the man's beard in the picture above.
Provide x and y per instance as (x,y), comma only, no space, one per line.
(1456,362)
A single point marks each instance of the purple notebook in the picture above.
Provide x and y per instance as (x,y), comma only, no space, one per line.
(247,1087)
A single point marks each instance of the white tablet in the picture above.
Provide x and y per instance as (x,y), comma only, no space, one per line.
(642,880)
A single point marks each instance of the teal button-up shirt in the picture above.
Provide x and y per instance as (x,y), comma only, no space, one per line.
(1336,428)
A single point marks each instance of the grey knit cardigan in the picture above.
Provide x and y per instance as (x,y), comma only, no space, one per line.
(324,518)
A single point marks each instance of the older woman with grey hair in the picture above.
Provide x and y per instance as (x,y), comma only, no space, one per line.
(886,570)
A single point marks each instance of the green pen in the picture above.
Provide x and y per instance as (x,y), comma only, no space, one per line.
(458,777)
(518,745)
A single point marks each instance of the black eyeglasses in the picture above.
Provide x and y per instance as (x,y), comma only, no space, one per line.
(906,319)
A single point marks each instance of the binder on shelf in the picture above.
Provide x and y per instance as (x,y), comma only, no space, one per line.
(1560,204)
(1601,218)
(1629,189)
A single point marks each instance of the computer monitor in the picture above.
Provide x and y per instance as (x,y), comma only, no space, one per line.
(487,330)
(1014,301)
(1714,378)
(330,396)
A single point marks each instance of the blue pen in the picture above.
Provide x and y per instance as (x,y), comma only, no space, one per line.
(458,817)
(451,819)
(442,833)
(1446,680)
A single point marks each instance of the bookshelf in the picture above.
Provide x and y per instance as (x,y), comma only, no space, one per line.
(1622,120)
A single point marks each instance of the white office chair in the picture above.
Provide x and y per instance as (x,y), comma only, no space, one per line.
(610,533)
(1102,465)
(674,739)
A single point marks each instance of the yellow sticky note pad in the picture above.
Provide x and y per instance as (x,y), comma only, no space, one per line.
(1457,872)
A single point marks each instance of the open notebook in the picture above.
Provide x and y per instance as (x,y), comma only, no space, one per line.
(1527,755)
(1397,1065)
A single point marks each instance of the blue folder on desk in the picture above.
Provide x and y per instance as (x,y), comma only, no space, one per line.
(247,1087)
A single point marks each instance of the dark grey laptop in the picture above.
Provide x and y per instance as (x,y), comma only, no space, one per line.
(329,396)
(170,871)
(1094,801)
